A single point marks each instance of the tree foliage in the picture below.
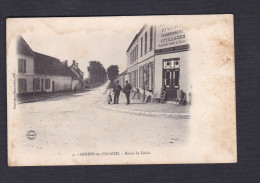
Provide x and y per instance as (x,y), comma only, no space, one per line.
(97,72)
(112,72)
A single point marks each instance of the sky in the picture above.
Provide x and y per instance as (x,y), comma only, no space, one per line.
(79,39)
(83,39)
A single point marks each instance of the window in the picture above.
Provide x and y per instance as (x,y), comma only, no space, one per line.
(21,66)
(151,38)
(141,46)
(36,83)
(132,57)
(136,52)
(47,83)
(145,43)
(22,85)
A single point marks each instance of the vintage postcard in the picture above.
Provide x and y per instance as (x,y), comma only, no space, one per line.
(121,90)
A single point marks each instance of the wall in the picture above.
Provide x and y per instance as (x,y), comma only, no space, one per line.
(29,64)
(60,83)
(75,83)
(144,56)
(29,70)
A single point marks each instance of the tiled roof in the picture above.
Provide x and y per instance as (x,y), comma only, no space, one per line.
(23,47)
(51,66)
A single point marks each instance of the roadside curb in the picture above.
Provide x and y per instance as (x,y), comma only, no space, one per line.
(34,100)
(154,114)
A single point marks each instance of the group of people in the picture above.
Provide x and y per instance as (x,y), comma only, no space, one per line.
(117,89)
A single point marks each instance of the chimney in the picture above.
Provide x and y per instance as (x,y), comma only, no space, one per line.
(66,63)
(74,62)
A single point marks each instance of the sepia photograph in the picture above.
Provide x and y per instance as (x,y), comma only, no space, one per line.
(121,90)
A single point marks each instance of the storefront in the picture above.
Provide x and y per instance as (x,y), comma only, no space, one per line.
(158,60)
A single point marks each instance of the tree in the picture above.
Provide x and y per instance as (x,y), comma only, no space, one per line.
(112,72)
(97,72)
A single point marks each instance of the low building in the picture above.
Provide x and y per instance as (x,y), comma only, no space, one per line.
(37,72)
(157,59)
(79,81)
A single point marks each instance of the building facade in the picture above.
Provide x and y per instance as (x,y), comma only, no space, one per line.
(157,59)
(78,82)
(37,72)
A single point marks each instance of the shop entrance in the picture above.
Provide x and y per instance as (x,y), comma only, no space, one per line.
(171,75)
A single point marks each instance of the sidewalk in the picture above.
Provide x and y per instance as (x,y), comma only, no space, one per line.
(42,96)
(150,109)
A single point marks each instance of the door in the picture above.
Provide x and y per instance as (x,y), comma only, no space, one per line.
(52,86)
(171,82)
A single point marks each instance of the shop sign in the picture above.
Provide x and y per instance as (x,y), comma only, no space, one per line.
(169,36)
(185,47)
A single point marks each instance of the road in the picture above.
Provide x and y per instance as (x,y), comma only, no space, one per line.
(79,122)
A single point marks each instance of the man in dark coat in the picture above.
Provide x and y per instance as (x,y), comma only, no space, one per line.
(116,90)
(127,90)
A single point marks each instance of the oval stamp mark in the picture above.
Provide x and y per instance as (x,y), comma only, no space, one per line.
(31,135)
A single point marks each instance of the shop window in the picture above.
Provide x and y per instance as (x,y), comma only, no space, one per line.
(47,83)
(36,83)
(21,66)
(22,85)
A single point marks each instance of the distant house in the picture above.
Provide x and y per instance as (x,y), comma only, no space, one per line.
(37,72)
(78,82)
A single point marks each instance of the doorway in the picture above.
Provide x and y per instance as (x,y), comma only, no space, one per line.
(171,82)
(171,77)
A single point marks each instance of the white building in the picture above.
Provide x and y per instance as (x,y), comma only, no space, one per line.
(38,73)
(157,59)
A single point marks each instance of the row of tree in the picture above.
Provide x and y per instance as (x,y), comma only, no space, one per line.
(98,74)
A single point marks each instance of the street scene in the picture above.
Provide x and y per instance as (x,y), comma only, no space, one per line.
(75,125)
(106,107)
(120,90)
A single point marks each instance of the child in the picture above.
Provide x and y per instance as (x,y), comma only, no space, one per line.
(109,97)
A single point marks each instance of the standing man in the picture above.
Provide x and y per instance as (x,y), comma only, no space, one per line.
(116,90)
(127,90)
